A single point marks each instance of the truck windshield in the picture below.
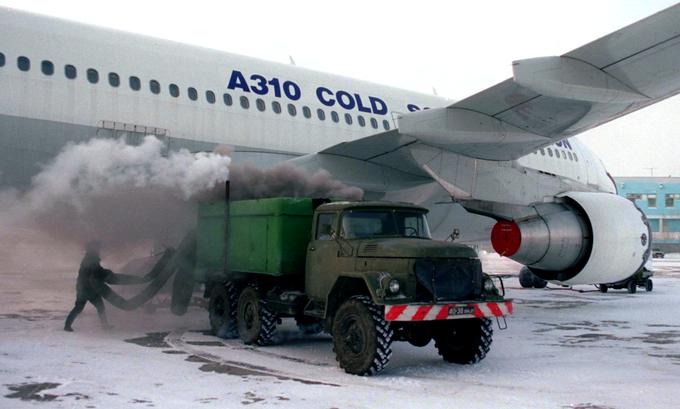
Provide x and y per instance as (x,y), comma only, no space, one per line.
(381,223)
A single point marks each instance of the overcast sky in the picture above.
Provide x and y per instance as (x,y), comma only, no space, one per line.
(457,47)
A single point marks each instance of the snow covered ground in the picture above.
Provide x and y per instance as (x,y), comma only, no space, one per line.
(562,349)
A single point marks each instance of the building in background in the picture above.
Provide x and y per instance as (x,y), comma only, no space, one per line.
(659,198)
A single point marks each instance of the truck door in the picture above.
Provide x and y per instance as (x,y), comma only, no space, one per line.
(322,252)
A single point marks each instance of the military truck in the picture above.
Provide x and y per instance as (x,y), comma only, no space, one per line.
(366,272)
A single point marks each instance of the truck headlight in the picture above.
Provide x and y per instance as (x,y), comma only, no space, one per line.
(488,285)
(393,286)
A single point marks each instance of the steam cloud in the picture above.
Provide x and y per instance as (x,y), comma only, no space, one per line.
(120,194)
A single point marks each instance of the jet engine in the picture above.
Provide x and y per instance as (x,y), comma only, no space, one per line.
(584,238)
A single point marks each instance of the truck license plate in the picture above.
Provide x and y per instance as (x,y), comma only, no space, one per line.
(461,310)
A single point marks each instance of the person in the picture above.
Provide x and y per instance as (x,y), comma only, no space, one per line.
(89,268)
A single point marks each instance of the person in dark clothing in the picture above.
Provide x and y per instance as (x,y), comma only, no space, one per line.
(89,268)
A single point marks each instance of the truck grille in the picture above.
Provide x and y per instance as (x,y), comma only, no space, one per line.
(448,279)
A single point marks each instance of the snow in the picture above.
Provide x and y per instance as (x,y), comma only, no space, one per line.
(562,349)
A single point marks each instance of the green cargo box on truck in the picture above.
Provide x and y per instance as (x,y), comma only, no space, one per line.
(366,272)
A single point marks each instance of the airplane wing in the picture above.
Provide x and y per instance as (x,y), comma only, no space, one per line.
(546,100)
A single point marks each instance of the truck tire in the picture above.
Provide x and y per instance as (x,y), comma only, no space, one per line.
(526,278)
(538,282)
(222,310)
(256,323)
(632,286)
(464,341)
(362,338)
(603,288)
(649,285)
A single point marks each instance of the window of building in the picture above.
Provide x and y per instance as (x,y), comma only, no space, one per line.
(23,63)
(361,120)
(192,93)
(542,151)
(227,99)
(386,124)
(174,90)
(321,114)
(2,60)
(276,107)
(374,123)
(571,158)
(114,79)
(47,67)
(135,83)
(306,112)
(633,197)
(564,155)
(210,97)
(292,110)
(261,106)
(549,152)
(348,119)
(92,76)
(575,157)
(155,87)
(335,117)
(70,72)
(671,199)
(245,102)
(651,201)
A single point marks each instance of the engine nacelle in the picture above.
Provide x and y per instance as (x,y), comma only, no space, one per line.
(588,238)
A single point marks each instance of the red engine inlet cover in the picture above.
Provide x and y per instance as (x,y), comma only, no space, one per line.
(506,238)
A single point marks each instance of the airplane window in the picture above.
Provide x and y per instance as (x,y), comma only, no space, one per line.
(306,112)
(47,67)
(348,119)
(174,90)
(227,99)
(155,87)
(210,97)
(70,72)
(321,114)
(386,125)
(361,120)
(575,157)
(259,103)
(135,83)
(2,60)
(114,79)
(335,117)
(193,94)
(292,110)
(92,76)
(374,123)
(570,157)
(550,152)
(245,103)
(276,107)
(24,63)
(542,152)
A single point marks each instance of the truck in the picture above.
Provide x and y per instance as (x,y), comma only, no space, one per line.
(367,272)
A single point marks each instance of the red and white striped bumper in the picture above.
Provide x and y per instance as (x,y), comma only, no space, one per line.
(432,312)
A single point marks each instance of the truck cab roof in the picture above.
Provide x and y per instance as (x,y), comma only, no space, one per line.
(336,206)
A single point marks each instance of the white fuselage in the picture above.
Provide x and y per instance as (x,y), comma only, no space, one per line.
(41,108)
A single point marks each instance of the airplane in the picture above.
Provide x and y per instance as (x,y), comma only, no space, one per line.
(504,160)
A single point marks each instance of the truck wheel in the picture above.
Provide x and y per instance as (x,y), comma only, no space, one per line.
(632,286)
(361,337)
(464,341)
(256,323)
(603,288)
(526,278)
(649,285)
(539,282)
(222,310)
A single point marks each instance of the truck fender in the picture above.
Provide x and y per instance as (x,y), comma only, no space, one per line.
(350,284)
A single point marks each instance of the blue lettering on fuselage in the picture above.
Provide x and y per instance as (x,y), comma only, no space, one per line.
(263,85)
